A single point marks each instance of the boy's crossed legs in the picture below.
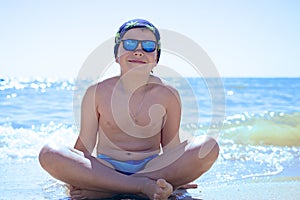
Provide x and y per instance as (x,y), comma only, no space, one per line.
(91,179)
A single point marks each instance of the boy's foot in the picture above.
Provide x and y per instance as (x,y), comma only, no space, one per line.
(166,190)
(77,193)
(159,190)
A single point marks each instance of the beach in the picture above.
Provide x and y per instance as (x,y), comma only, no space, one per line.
(259,138)
(28,181)
(253,190)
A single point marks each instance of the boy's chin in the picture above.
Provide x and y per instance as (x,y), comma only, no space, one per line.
(137,67)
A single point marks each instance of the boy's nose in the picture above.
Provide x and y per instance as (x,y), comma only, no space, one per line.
(138,52)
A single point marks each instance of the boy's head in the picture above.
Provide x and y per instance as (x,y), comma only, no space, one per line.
(136,23)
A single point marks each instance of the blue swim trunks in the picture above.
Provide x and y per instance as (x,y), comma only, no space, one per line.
(127,167)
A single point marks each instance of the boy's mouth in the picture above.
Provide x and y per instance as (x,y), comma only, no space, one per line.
(137,61)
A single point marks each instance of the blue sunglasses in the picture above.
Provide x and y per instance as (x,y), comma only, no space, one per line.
(131,45)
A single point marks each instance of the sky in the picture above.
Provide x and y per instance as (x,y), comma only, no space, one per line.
(52,39)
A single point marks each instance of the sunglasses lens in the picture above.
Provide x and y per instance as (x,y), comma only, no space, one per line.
(130,45)
(148,45)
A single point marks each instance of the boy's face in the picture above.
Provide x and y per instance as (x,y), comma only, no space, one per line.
(138,57)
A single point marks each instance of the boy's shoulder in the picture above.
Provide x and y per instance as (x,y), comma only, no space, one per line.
(105,83)
(108,82)
(163,85)
(102,86)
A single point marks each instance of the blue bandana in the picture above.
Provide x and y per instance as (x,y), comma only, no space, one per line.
(136,23)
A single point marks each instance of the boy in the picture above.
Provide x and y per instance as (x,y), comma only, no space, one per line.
(136,119)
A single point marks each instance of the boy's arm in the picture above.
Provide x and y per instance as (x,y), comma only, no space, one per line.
(89,122)
(170,130)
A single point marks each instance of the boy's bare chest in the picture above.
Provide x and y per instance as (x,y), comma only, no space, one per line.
(132,114)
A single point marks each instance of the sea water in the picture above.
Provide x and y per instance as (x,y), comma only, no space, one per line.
(258,128)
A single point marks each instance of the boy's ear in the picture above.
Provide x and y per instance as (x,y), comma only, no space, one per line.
(117,59)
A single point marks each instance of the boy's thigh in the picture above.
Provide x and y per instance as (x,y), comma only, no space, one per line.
(166,159)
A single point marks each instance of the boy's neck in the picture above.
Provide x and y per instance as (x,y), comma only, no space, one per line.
(131,81)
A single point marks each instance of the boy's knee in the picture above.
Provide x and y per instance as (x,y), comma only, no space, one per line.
(44,154)
(209,150)
(47,154)
(215,150)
